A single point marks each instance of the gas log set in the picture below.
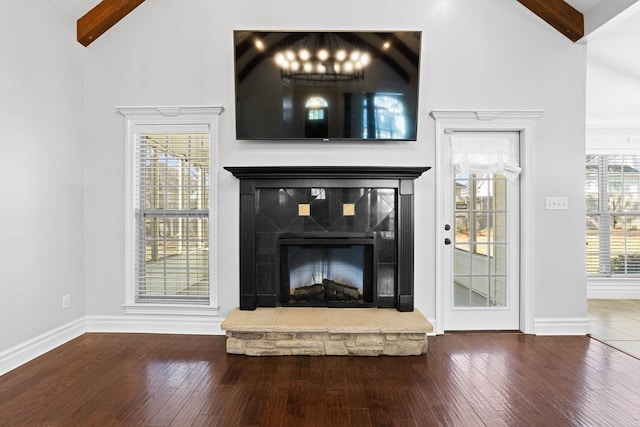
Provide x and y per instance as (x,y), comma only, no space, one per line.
(328,290)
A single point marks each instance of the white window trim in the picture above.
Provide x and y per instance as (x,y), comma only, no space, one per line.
(162,118)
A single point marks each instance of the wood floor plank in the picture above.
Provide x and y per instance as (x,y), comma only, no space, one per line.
(192,408)
(464,379)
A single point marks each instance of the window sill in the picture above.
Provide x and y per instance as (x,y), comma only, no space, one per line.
(170,310)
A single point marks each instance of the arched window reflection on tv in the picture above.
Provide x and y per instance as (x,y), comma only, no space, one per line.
(367,80)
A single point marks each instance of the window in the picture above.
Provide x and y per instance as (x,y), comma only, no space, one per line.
(172,217)
(612,188)
(171,205)
(384,116)
(315,115)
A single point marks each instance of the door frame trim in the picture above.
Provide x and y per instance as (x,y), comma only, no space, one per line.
(521,121)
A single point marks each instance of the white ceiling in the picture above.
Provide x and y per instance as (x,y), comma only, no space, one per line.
(583,6)
(602,10)
(77,8)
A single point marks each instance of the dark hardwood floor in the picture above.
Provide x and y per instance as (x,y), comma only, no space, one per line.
(465,379)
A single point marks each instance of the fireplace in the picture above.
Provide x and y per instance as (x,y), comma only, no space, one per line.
(326,236)
(326,270)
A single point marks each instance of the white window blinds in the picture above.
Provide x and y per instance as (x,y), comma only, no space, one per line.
(172,179)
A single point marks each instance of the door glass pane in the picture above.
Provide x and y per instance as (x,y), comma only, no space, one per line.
(480,243)
(463,259)
(499,290)
(462,227)
(498,259)
(499,227)
(479,290)
(480,228)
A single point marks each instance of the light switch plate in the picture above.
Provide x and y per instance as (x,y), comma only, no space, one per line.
(556,203)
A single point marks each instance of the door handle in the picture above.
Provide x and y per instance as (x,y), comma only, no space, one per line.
(447,241)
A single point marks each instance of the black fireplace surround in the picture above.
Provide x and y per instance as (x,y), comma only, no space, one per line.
(361,213)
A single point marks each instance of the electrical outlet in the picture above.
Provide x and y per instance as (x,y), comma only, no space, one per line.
(556,203)
(66,301)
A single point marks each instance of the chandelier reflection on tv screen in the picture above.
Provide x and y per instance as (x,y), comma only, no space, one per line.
(321,57)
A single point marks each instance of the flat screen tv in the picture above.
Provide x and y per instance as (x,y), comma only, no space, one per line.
(341,85)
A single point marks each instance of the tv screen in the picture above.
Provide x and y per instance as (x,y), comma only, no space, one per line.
(343,85)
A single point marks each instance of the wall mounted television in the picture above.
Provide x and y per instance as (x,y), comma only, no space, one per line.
(322,85)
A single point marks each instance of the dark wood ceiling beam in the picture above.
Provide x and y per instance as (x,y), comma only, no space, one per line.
(105,15)
(560,15)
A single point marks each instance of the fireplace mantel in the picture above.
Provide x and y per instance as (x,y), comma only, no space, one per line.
(323,172)
(258,287)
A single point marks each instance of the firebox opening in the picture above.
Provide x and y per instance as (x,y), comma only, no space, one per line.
(327,272)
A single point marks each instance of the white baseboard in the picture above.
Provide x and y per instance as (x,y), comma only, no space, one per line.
(149,324)
(607,288)
(562,326)
(433,331)
(37,346)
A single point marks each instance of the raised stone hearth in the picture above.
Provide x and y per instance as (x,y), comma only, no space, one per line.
(284,331)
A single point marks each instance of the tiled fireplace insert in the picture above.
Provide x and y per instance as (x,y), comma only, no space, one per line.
(326,236)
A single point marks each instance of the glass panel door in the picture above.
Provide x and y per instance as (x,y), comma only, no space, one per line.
(481,261)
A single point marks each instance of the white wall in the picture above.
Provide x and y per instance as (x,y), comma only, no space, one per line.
(613,71)
(480,55)
(41,177)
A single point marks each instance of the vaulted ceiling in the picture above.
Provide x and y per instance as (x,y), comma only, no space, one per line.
(573,18)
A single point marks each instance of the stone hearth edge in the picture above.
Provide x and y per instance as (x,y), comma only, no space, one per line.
(285,331)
